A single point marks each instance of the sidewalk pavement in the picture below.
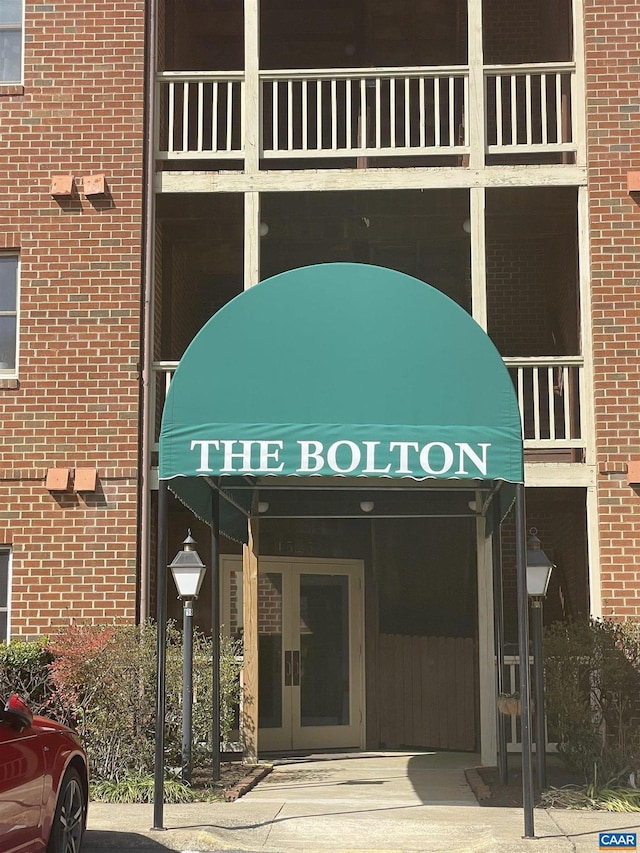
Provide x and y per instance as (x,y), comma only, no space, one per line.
(359,803)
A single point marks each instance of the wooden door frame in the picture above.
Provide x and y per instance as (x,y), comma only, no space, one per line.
(249,565)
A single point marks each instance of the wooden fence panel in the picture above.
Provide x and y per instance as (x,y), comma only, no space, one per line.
(427,688)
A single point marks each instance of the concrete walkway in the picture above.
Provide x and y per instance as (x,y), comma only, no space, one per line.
(360,803)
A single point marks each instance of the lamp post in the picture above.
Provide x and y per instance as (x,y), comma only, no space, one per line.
(188,573)
(539,568)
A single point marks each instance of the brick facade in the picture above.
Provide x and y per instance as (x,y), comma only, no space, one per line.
(79,113)
(613,121)
(76,400)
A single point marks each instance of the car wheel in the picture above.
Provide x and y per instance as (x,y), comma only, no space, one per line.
(69,817)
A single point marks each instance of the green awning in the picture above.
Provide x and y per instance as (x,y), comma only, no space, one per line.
(339,370)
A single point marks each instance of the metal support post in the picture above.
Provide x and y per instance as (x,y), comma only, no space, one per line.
(161,618)
(538,664)
(187,687)
(215,635)
(523,651)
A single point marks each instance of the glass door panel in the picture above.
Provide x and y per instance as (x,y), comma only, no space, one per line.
(270,650)
(310,667)
(324,650)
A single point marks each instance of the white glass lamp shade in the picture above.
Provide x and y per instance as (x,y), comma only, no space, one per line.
(539,568)
(188,573)
(538,579)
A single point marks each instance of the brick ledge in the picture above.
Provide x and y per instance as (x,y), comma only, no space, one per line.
(480,789)
(244,785)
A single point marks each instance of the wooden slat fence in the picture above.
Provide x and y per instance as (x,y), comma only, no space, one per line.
(427,692)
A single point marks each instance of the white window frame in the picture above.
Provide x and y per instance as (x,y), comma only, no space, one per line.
(15,28)
(12,372)
(5,549)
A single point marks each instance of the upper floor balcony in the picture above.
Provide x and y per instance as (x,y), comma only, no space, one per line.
(358,117)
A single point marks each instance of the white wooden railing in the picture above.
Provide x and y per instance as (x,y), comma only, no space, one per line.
(159,388)
(549,391)
(200,115)
(366,112)
(528,108)
(512,685)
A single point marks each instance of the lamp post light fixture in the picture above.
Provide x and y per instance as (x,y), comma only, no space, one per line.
(539,568)
(188,573)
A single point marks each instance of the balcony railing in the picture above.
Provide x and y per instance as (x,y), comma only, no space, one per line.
(549,391)
(529,108)
(366,112)
(201,115)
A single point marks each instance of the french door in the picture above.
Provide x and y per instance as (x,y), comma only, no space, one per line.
(310,667)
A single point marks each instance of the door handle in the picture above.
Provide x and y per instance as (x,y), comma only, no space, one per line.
(296,668)
(287,668)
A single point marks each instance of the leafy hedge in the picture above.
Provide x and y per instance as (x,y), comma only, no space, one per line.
(592,684)
(102,681)
(24,669)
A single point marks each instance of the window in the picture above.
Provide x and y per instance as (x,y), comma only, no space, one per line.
(5,560)
(8,313)
(10,41)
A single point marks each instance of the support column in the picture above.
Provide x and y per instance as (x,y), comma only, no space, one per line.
(498,621)
(538,658)
(215,635)
(587,412)
(523,652)
(249,708)
(251,239)
(161,617)
(252,120)
(477,199)
(486,655)
(578,98)
(593,553)
(475,106)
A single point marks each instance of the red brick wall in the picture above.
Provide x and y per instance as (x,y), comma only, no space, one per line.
(80,112)
(612,29)
(270,604)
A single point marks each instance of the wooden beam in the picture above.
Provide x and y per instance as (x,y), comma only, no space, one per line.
(475,106)
(251,239)
(569,474)
(252,120)
(478,256)
(578,98)
(319,180)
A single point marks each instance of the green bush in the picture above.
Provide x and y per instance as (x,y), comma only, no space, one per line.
(105,679)
(24,669)
(592,683)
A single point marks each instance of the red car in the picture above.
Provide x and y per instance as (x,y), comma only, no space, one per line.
(43,783)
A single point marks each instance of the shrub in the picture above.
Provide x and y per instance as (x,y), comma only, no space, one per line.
(24,670)
(592,675)
(105,678)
